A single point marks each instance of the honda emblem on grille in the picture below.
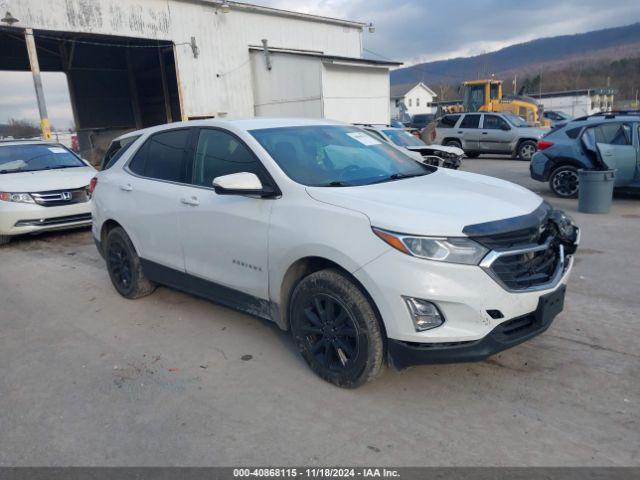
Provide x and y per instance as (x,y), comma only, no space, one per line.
(65,195)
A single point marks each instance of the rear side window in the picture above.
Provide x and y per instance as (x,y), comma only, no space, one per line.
(162,156)
(470,121)
(219,153)
(116,150)
(448,121)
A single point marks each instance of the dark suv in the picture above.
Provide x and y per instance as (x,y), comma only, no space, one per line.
(598,142)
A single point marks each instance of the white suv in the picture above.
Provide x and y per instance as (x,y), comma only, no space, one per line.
(362,252)
(43,186)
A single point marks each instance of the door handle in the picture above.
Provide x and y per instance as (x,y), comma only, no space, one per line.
(460,132)
(485,133)
(193,201)
(126,187)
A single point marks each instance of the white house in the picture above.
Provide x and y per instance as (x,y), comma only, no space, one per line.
(415,97)
(136,63)
(577,103)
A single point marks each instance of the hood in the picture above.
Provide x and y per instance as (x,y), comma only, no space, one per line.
(440,148)
(45,180)
(439,204)
(534,132)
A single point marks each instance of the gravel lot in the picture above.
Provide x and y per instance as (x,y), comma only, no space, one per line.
(89,378)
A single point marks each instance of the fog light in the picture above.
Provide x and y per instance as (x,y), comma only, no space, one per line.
(425,315)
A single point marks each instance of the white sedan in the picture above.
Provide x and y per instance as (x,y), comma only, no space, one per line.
(43,186)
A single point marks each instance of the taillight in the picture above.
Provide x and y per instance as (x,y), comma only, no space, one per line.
(92,185)
(544,144)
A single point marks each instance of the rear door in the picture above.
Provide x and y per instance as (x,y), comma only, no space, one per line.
(614,142)
(469,131)
(496,134)
(149,193)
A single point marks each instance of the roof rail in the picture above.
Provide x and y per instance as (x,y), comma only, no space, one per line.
(611,114)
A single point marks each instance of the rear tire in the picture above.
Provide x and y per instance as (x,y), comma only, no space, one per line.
(124,266)
(336,329)
(526,150)
(4,239)
(563,181)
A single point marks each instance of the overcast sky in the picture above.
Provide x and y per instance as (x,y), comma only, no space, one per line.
(411,31)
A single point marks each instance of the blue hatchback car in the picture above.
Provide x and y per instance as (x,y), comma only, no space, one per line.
(598,142)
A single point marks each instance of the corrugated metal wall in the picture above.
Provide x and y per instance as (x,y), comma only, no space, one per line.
(292,88)
(355,93)
(218,81)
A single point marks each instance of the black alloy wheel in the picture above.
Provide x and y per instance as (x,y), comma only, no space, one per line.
(331,333)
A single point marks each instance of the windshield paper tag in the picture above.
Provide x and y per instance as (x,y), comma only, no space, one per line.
(363,138)
(57,150)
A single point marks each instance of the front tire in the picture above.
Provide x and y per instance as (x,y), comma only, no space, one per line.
(563,181)
(4,239)
(526,150)
(336,329)
(453,143)
(124,266)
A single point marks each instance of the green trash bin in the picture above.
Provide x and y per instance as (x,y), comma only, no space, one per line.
(595,190)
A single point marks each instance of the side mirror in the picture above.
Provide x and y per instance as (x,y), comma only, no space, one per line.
(242,183)
(504,126)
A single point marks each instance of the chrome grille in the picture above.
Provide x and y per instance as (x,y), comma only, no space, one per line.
(61,197)
(532,260)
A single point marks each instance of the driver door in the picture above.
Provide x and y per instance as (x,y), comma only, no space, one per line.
(614,143)
(225,236)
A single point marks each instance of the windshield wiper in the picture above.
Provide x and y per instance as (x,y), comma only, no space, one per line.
(336,183)
(399,176)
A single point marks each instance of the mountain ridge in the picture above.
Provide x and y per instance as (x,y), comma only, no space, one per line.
(542,54)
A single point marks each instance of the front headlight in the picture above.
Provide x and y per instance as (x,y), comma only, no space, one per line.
(452,250)
(16,197)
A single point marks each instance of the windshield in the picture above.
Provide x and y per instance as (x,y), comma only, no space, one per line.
(336,156)
(33,157)
(515,120)
(403,138)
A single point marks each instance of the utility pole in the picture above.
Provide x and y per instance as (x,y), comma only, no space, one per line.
(540,84)
(37,83)
(515,83)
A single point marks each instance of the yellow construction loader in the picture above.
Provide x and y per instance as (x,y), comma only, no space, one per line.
(486,96)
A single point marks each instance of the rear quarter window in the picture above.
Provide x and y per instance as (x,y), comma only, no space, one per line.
(116,150)
(573,132)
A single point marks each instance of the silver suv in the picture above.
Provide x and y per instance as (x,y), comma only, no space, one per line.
(496,133)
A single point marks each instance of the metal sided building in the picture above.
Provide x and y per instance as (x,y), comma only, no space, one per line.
(136,63)
(577,103)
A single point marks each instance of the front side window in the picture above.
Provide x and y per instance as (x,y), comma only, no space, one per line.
(448,121)
(35,157)
(403,138)
(162,157)
(613,134)
(219,153)
(470,121)
(515,120)
(336,156)
(493,122)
